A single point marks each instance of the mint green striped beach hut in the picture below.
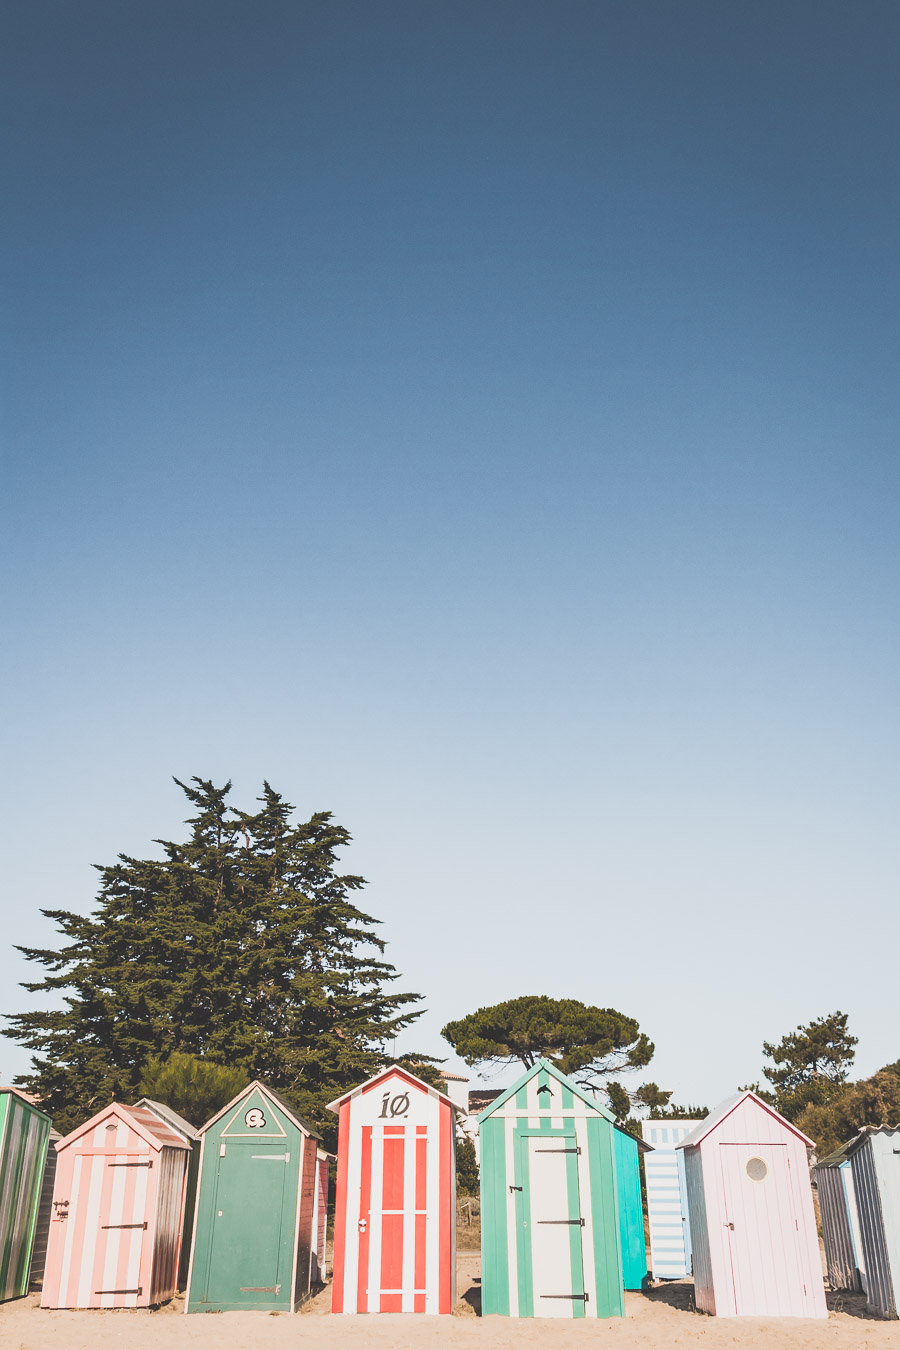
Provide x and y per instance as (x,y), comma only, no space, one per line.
(550,1220)
(24,1131)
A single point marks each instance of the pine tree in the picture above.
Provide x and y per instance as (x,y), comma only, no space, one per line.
(241,946)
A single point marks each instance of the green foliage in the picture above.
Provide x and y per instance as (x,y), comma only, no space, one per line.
(679,1112)
(589,1043)
(810,1064)
(648,1094)
(467,1176)
(872,1101)
(196,1088)
(241,946)
(619,1101)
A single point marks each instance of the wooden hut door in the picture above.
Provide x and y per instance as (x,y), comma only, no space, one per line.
(244,1257)
(762,1230)
(556,1227)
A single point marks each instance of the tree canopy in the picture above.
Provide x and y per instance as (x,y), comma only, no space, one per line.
(810,1064)
(590,1044)
(871,1101)
(193,1087)
(241,945)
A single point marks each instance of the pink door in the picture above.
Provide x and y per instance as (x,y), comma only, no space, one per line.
(99,1248)
(763,1231)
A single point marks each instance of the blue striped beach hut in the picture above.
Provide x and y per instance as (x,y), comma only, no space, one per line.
(667,1211)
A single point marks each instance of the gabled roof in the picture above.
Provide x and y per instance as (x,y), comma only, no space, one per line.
(560,1078)
(382,1074)
(257,1086)
(151,1129)
(724,1109)
(171,1117)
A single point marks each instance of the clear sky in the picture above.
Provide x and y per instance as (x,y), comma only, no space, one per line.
(480,419)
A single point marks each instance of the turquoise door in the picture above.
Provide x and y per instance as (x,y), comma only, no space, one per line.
(247,1265)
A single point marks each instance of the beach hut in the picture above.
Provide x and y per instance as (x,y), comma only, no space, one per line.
(45,1210)
(875,1162)
(550,1223)
(395,1202)
(840,1221)
(24,1130)
(667,1213)
(753,1226)
(253,1220)
(118,1199)
(628,1150)
(192,1138)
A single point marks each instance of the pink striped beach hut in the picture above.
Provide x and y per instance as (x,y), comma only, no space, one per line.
(118,1207)
(753,1226)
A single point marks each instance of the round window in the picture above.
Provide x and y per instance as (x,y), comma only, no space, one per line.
(757,1169)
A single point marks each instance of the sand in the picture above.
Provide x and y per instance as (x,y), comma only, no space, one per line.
(658,1319)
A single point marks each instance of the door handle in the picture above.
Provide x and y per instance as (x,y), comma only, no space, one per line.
(729,1225)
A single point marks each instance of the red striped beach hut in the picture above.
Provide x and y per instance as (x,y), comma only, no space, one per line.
(395,1204)
(118,1205)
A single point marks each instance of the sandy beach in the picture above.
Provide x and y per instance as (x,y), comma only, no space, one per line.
(661,1318)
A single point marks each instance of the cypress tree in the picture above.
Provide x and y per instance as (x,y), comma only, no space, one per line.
(241,946)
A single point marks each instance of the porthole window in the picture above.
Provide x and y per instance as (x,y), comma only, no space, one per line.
(757,1169)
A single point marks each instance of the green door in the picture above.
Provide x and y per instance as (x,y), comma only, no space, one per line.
(245,1265)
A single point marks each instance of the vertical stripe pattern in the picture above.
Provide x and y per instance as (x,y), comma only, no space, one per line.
(116,1226)
(23,1147)
(395,1199)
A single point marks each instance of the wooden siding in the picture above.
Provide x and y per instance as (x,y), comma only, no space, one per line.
(45,1209)
(305,1236)
(762,1238)
(876,1179)
(395,1202)
(115,1230)
(23,1145)
(667,1216)
(840,1256)
(701,1256)
(631,1210)
(544,1105)
(249,1240)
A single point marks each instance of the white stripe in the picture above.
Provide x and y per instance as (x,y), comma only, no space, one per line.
(88,1253)
(512,1229)
(433,1205)
(587,1213)
(135,1237)
(69,1230)
(373,1297)
(409,1218)
(351,1217)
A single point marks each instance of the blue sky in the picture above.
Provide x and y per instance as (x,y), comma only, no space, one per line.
(480,420)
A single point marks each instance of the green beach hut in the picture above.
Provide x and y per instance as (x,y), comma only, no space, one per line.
(254,1236)
(550,1225)
(628,1150)
(24,1132)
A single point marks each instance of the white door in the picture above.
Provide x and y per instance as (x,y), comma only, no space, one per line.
(556,1227)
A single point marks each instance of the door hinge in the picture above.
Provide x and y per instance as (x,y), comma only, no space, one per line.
(104,1226)
(557,1150)
(137,1291)
(580,1222)
(260,1289)
(148,1163)
(514,1188)
(270,1157)
(583,1298)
